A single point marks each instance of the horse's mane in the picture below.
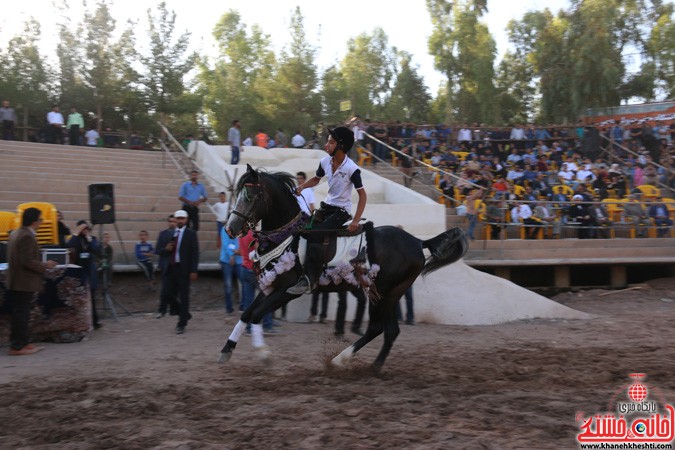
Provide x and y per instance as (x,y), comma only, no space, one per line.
(284,181)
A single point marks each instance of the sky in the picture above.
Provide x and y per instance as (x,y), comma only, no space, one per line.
(328,25)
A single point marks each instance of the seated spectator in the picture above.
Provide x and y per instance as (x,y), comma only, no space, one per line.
(144,253)
(540,186)
(659,213)
(600,220)
(634,213)
(522,213)
(447,186)
(529,175)
(500,187)
(566,176)
(495,216)
(578,214)
(585,175)
(514,158)
(544,213)
(91,137)
(529,194)
(514,174)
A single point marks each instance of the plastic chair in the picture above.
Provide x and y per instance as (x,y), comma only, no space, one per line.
(7,224)
(48,231)
(365,157)
(648,192)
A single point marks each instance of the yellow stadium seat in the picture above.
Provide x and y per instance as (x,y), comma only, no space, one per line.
(648,192)
(365,157)
(7,224)
(48,231)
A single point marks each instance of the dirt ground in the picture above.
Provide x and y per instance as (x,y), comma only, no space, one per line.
(137,385)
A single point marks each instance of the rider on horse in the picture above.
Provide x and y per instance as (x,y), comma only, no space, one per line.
(343,175)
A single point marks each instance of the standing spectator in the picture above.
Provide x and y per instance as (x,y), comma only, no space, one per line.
(106,261)
(74,125)
(135,141)
(280,137)
(192,193)
(380,148)
(222,209)
(62,229)
(298,141)
(659,212)
(144,253)
(249,282)
(183,253)
(342,312)
(230,263)
(262,139)
(306,199)
(24,279)
(55,125)
(464,135)
(314,308)
(471,212)
(409,311)
(8,119)
(91,137)
(166,297)
(85,248)
(234,139)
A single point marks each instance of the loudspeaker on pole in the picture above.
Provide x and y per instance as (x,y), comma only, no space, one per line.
(101,203)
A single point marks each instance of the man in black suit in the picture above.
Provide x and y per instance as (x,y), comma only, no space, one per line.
(183,262)
(167,300)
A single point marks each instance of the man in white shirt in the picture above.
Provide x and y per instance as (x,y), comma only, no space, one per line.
(464,135)
(585,175)
(55,121)
(91,137)
(306,198)
(522,213)
(221,209)
(298,141)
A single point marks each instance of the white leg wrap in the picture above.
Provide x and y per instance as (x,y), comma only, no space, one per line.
(257,335)
(341,359)
(238,331)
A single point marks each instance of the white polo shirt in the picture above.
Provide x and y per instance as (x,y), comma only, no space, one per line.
(340,183)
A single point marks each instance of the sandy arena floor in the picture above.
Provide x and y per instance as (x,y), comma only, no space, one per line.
(137,385)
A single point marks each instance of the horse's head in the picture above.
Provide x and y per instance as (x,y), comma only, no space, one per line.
(262,196)
(246,212)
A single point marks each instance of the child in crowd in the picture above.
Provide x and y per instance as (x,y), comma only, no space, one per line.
(144,253)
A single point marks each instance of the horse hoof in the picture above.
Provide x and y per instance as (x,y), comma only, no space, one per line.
(342,358)
(224,357)
(264,354)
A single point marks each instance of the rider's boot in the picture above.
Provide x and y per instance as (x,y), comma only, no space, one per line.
(309,279)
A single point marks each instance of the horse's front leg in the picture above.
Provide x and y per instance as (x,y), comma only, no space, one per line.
(239,328)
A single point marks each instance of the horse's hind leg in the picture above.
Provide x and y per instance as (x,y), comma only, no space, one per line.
(391,331)
(375,328)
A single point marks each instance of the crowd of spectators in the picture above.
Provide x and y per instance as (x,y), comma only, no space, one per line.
(525,165)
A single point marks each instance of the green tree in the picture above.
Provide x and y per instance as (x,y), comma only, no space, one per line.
(368,69)
(106,65)
(165,68)
(410,99)
(24,78)
(289,99)
(333,91)
(464,51)
(226,84)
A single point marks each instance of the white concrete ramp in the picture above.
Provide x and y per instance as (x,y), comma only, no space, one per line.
(460,295)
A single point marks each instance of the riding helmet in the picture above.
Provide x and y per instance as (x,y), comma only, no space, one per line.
(344,137)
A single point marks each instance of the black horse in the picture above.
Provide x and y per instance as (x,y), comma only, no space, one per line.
(268,197)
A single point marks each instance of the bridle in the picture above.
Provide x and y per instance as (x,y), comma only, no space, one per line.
(258,191)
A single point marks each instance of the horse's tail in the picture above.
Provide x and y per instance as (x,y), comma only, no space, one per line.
(446,248)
